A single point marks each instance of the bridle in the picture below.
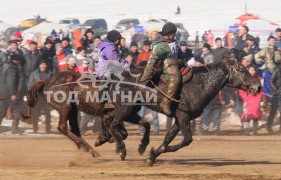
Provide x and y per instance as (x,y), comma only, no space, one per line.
(233,69)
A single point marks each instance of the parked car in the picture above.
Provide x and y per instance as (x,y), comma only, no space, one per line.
(125,24)
(99,26)
(32,22)
(72,23)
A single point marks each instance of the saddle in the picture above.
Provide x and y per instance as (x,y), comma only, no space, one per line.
(185,72)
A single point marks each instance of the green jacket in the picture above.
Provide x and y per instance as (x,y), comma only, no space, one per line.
(161,51)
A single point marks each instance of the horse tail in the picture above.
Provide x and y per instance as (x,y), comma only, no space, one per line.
(35,92)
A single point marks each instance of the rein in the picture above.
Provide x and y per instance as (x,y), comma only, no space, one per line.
(158,89)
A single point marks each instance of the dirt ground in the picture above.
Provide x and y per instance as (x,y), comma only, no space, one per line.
(208,157)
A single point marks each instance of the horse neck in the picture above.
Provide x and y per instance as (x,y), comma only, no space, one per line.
(213,80)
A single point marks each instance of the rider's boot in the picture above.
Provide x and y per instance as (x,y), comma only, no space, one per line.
(174,83)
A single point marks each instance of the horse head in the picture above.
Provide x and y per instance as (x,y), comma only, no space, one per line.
(239,76)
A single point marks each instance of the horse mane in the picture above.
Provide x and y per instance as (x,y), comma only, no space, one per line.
(207,68)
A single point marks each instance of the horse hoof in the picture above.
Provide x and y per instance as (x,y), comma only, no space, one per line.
(149,163)
(123,155)
(141,149)
(95,154)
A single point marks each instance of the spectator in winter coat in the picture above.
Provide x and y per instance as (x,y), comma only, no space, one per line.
(41,73)
(67,49)
(85,67)
(48,54)
(204,37)
(145,53)
(87,40)
(251,45)
(129,58)
(184,54)
(71,64)
(122,48)
(212,112)
(251,110)
(10,82)
(59,59)
(134,51)
(32,58)
(210,38)
(275,83)
(270,56)
(80,56)
(197,39)
(96,43)
(54,38)
(3,57)
(13,48)
(278,37)
(154,35)
(247,60)
(241,39)
(85,118)
(207,54)
(219,52)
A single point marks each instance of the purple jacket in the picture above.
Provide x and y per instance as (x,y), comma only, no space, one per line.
(108,51)
(109,60)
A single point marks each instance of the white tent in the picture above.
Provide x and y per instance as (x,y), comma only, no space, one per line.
(45,28)
(40,32)
(3,26)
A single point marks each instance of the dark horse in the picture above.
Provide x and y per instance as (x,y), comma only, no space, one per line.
(206,83)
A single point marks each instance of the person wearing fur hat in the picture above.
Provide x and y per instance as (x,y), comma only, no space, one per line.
(165,52)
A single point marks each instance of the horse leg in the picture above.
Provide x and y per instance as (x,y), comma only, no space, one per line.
(120,145)
(74,134)
(105,135)
(136,119)
(187,139)
(173,132)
